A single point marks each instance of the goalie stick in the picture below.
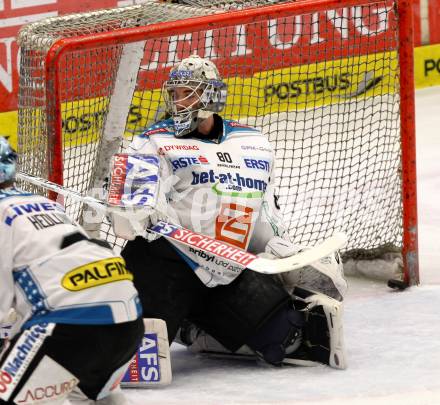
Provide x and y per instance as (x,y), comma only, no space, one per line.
(211,245)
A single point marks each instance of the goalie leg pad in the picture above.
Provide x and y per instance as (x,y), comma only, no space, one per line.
(235,312)
(279,336)
(151,365)
(323,338)
(199,342)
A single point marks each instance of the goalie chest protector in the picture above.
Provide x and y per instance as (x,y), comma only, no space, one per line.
(216,188)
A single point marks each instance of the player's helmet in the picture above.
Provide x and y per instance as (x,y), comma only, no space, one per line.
(8,159)
(202,76)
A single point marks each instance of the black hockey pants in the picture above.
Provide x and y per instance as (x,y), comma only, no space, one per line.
(170,290)
(46,361)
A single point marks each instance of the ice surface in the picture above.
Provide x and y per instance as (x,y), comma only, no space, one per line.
(392,338)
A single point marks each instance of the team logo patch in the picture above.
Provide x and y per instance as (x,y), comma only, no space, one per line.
(96,273)
(145,366)
(134,180)
(233,224)
(20,357)
(165,228)
(231,184)
(154,131)
(208,244)
(49,382)
(187,161)
(168,148)
(235,124)
(206,258)
(258,148)
(17,210)
(259,164)
(181,74)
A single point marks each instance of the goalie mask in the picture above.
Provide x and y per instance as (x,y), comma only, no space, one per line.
(193,92)
(8,159)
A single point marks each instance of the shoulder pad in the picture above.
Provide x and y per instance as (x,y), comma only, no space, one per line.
(164,127)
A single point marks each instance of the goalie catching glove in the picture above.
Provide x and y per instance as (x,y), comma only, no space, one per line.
(326,275)
(135,198)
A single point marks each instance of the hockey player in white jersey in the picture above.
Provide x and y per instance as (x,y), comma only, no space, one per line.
(77,314)
(217,178)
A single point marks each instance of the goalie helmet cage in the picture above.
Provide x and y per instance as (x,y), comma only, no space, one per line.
(330,82)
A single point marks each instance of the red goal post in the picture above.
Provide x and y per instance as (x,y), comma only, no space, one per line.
(330,82)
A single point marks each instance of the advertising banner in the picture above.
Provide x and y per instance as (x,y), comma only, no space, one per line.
(427,66)
(229,48)
(14,14)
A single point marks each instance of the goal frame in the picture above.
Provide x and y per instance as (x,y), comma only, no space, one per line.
(253,15)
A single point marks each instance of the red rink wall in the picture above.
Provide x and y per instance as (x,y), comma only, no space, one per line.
(15,13)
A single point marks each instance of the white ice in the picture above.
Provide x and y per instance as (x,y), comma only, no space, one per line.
(392,338)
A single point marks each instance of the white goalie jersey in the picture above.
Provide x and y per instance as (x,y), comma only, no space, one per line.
(48,279)
(223,189)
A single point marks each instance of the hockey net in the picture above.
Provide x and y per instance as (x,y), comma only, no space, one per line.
(331,87)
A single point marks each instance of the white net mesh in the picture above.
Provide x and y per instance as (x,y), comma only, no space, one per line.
(323,85)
